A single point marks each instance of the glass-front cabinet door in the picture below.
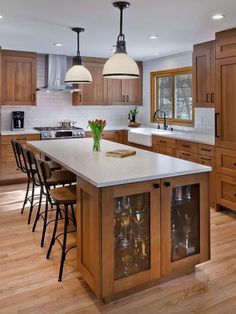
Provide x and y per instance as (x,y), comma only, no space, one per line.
(130,236)
(184,209)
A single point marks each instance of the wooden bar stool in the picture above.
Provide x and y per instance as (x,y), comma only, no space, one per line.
(65,196)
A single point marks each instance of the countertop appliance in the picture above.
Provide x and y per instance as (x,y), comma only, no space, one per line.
(50,133)
(17,120)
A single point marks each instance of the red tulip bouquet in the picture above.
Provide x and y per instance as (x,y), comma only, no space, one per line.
(97,127)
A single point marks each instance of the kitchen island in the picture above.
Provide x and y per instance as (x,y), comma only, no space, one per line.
(141,220)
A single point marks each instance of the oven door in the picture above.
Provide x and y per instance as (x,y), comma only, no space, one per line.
(63,134)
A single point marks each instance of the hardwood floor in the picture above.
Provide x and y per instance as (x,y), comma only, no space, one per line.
(28,282)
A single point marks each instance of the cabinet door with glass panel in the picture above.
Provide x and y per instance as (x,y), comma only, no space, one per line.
(185,215)
(171,92)
(130,236)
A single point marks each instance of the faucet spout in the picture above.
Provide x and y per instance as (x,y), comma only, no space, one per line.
(164,114)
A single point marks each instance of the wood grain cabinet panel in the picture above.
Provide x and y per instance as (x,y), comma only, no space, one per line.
(225,102)
(226,161)
(186,155)
(18,78)
(204,74)
(226,44)
(207,150)
(226,191)
(187,146)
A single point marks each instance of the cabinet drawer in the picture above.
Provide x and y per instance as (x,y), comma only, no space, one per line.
(10,171)
(186,155)
(163,141)
(164,150)
(226,161)
(6,139)
(226,191)
(207,150)
(187,146)
(206,160)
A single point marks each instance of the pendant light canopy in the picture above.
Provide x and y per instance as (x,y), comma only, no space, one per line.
(120,65)
(78,74)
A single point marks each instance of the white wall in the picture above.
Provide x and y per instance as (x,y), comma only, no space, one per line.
(204,118)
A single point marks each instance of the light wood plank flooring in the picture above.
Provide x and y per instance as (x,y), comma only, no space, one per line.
(28,282)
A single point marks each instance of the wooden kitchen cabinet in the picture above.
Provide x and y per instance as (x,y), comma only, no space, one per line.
(125,92)
(164,145)
(225,103)
(114,136)
(203,89)
(105,91)
(18,78)
(184,216)
(94,93)
(226,44)
(130,237)
(9,170)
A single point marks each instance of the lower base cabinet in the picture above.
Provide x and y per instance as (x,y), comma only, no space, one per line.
(139,234)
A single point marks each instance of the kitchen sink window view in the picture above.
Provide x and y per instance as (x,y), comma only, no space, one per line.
(172,93)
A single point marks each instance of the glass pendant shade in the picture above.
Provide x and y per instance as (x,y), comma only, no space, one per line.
(78,74)
(120,66)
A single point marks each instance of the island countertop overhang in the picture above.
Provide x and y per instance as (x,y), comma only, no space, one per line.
(77,156)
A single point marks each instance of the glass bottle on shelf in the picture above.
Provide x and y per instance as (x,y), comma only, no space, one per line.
(132,249)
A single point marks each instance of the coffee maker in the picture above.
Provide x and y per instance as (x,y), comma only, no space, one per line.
(17,120)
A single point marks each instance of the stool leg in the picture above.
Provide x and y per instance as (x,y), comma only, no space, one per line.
(63,252)
(26,196)
(54,233)
(38,211)
(73,215)
(32,204)
(44,223)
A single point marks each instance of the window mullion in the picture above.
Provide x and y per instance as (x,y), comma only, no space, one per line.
(173,98)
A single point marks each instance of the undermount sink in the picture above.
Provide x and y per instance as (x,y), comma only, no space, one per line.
(162,132)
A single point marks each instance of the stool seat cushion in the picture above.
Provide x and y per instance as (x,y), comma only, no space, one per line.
(64,195)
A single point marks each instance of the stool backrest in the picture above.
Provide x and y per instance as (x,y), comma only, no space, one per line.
(44,173)
(29,164)
(17,149)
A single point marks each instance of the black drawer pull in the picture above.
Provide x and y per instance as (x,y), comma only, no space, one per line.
(163,142)
(234,164)
(212,97)
(123,97)
(156,185)
(184,145)
(207,97)
(205,149)
(167,184)
(188,155)
(206,159)
(216,124)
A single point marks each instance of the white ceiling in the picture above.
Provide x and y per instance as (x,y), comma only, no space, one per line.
(35,25)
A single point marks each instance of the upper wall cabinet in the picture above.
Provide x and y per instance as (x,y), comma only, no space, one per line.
(107,92)
(226,44)
(18,78)
(125,92)
(94,93)
(204,74)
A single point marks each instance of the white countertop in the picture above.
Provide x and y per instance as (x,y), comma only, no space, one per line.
(9,132)
(77,156)
(191,136)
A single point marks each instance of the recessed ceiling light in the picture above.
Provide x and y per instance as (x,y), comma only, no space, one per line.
(153,37)
(157,54)
(1,17)
(57,44)
(218,16)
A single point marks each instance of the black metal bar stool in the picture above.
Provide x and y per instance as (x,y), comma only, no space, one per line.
(51,180)
(65,196)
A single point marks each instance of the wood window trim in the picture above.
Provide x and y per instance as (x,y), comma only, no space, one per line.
(171,72)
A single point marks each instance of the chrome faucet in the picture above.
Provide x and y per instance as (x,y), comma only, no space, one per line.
(154,117)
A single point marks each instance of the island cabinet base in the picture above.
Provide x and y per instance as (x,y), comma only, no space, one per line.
(134,236)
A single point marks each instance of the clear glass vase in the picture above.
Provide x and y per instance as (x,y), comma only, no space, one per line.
(96,143)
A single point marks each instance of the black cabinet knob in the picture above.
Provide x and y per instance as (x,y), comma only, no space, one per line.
(167,184)
(156,185)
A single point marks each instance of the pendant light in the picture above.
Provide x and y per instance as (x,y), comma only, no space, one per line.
(120,65)
(78,74)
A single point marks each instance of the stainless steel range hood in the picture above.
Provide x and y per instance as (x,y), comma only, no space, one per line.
(56,67)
